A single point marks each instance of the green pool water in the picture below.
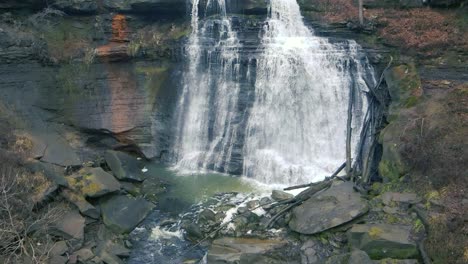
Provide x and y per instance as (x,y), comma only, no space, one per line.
(197,187)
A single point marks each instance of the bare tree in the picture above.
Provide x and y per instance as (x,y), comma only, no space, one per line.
(23,230)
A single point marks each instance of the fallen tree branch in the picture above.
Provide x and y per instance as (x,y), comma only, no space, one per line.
(280,213)
(333,176)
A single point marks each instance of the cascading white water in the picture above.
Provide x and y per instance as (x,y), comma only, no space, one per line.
(291,125)
(297,127)
(209,98)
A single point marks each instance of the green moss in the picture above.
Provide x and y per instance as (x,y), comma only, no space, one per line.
(389,170)
(411,101)
(391,219)
(91,188)
(375,232)
(418,225)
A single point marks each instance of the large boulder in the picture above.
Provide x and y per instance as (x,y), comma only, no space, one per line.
(244,250)
(122,214)
(93,182)
(333,207)
(124,167)
(381,241)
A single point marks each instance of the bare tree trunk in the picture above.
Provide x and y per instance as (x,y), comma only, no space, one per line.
(361,15)
(349,133)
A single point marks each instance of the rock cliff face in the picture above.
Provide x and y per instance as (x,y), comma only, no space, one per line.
(107,71)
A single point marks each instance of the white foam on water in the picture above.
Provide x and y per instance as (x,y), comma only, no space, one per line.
(158,233)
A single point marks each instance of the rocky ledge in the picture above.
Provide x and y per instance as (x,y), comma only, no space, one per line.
(104,203)
(335,225)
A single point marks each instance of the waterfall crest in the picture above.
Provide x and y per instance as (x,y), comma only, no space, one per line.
(289,126)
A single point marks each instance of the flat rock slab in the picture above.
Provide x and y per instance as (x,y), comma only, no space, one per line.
(57,150)
(122,213)
(93,182)
(239,250)
(333,207)
(381,241)
(70,226)
(124,167)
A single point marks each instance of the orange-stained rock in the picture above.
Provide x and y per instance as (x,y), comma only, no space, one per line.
(119,29)
(117,49)
(113,51)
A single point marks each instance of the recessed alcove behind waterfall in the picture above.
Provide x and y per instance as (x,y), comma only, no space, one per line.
(272,105)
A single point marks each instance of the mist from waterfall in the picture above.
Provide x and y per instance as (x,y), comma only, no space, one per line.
(289,126)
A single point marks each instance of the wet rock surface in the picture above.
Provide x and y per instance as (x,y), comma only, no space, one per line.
(124,167)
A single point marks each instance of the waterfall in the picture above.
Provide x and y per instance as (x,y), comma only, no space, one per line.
(207,107)
(297,127)
(289,125)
